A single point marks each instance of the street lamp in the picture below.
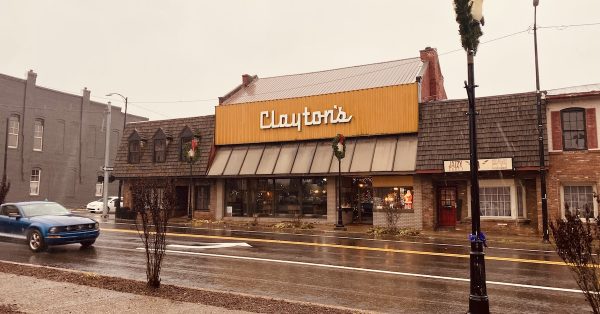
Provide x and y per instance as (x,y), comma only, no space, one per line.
(192,158)
(118,201)
(470,18)
(538,98)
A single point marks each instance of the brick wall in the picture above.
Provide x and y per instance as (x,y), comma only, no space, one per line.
(71,156)
(412,220)
(570,167)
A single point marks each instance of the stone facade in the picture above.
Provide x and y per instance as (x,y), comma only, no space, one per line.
(73,141)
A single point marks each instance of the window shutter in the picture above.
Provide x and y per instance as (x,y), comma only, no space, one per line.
(590,125)
(557,138)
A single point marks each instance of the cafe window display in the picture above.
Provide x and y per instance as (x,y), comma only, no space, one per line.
(287,197)
(393,198)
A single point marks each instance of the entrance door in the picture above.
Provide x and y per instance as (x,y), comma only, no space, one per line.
(182,201)
(447,206)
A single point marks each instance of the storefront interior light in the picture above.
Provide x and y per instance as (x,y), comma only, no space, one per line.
(395,188)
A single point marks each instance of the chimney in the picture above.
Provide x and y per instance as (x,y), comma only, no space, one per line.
(246,79)
(31,77)
(433,80)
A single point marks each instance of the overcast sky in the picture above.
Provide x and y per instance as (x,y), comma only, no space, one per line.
(174,58)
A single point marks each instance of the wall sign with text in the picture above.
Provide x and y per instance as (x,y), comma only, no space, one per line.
(269,120)
(484,165)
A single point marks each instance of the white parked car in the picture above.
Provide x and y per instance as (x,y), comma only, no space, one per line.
(97,206)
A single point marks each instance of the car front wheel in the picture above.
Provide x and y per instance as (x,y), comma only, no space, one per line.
(87,244)
(36,241)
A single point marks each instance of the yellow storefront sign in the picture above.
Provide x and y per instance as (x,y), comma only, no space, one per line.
(376,111)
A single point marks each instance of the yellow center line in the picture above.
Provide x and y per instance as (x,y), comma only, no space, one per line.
(350,247)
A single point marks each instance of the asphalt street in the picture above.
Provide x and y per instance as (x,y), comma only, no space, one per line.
(385,276)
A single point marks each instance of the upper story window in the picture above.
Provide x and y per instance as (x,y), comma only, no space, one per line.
(34,183)
(134,152)
(134,148)
(186,139)
(160,146)
(573,129)
(13,131)
(159,150)
(38,134)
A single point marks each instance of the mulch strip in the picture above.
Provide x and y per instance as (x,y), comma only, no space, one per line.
(232,301)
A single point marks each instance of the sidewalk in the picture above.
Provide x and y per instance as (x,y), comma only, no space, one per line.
(32,295)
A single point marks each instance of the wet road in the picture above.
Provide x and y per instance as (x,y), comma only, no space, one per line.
(383,276)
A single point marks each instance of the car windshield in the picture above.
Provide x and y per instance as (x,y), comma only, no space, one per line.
(40,209)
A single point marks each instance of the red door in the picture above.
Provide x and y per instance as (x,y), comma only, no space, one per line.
(447,206)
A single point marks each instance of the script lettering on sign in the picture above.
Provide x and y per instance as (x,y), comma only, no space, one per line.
(484,165)
(270,120)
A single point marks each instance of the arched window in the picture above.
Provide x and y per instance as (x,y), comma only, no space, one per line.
(34,182)
(38,134)
(13,131)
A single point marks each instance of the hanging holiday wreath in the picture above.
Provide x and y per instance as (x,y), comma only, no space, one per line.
(191,150)
(339,146)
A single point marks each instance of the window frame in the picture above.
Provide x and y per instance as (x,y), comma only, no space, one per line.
(41,137)
(32,181)
(578,184)
(11,130)
(134,157)
(160,153)
(510,183)
(563,113)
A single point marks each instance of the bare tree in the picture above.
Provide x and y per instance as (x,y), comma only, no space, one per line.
(574,243)
(392,217)
(4,188)
(153,201)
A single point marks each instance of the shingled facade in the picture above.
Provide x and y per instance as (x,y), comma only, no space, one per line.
(508,157)
(154,149)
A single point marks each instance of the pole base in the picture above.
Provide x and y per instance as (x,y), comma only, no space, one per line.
(339,228)
(478,305)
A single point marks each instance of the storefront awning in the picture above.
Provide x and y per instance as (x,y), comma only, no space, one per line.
(377,155)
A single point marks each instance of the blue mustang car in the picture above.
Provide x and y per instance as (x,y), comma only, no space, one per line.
(46,223)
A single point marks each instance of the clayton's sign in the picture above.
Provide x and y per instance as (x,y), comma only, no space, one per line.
(269,120)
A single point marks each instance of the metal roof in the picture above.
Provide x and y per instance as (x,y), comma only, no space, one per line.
(582,89)
(330,81)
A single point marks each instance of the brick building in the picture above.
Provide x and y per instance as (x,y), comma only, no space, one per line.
(508,163)
(156,149)
(574,164)
(55,141)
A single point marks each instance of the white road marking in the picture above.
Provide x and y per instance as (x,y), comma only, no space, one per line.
(379,271)
(210,245)
(350,238)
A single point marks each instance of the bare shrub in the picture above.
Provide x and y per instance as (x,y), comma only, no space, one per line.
(392,217)
(574,243)
(153,201)
(4,188)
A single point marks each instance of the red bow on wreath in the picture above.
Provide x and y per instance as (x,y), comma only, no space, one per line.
(339,146)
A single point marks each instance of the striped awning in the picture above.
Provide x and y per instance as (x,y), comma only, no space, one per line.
(380,155)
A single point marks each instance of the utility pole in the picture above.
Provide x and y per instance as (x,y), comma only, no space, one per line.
(538,98)
(106,161)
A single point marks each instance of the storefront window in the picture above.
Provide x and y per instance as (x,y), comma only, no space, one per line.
(495,201)
(202,197)
(287,197)
(393,198)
